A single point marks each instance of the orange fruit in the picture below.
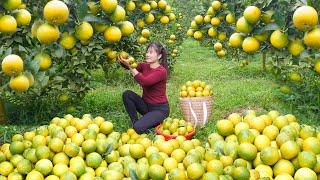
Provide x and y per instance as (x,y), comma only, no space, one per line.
(68,41)
(307,159)
(195,171)
(44,166)
(164,19)
(279,39)
(11,4)
(261,142)
(118,14)
(225,127)
(216,5)
(108,6)
(215,21)
(84,31)
(197,35)
(112,34)
(157,172)
(269,156)
(243,25)
(247,151)
(267,17)
(305,173)
(305,18)
(250,45)
(47,33)
(93,7)
(130,6)
(283,166)
(289,150)
(295,47)
(8,24)
(44,60)
(177,174)
(230,19)
(212,32)
(23,17)
(252,14)
(56,12)
(310,38)
(236,40)
(240,173)
(19,83)
(12,65)
(317,67)
(198,19)
(93,160)
(162,4)
(126,28)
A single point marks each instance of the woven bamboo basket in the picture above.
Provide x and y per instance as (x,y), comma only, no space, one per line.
(197,110)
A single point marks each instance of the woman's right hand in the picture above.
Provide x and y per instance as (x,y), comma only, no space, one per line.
(124,61)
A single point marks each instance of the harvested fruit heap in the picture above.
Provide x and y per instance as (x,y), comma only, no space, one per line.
(176,127)
(195,88)
(249,146)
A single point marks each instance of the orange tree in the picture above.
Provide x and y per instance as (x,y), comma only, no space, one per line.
(285,33)
(49,49)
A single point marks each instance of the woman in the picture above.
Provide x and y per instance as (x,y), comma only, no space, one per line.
(152,76)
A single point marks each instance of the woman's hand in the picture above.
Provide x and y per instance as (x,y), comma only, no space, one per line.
(124,61)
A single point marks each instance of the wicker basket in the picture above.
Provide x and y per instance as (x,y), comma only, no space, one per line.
(197,110)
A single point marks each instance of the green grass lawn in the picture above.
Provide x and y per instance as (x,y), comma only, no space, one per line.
(235,89)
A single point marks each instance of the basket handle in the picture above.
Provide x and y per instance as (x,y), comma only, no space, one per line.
(205,113)
(194,115)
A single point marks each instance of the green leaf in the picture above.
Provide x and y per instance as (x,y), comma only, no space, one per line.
(34,66)
(269,27)
(108,151)
(92,18)
(44,81)
(21,48)
(8,51)
(58,53)
(133,174)
(82,9)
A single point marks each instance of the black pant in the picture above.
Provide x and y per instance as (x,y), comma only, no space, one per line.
(153,115)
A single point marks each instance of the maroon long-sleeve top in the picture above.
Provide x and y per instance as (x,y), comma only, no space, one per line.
(153,82)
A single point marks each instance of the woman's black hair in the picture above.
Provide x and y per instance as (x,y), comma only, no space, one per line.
(158,47)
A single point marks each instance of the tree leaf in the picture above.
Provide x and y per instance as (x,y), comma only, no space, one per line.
(21,48)
(133,174)
(34,66)
(109,149)
(8,51)
(269,27)
(82,9)
(58,53)
(92,18)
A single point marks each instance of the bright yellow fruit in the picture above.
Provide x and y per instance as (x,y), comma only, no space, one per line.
(279,39)
(305,18)
(47,33)
(8,24)
(56,12)
(112,34)
(311,38)
(250,45)
(12,65)
(19,83)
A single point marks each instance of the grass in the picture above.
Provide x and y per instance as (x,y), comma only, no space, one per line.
(235,89)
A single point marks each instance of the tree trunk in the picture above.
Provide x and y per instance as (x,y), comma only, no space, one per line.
(2,113)
(264,57)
